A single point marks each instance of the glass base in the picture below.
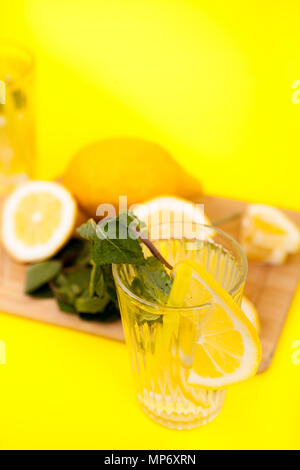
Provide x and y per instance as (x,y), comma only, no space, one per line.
(179,424)
(181,414)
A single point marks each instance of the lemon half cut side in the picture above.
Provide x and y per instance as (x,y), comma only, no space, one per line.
(168,217)
(37,219)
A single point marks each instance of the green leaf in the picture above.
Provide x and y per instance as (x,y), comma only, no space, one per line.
(152,282)
(114,242)
(70,285)
(79,277)
(65,307)
(137,287)
(118,252)
(94,304)
(41,273)
(82,280)
(148,317)
(88,230)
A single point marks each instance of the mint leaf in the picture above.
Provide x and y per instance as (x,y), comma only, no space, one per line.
(69,285)
(117,252)
(152,282)
(41,273)
(94,304)
(65,307)
(149,318)
(108,250)
(80,276)
(88,230)
(112,240)
(82,290)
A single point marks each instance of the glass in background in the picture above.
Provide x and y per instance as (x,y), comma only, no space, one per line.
(17,149)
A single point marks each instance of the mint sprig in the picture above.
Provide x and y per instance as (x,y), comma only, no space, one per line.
(80,276)
(117,250)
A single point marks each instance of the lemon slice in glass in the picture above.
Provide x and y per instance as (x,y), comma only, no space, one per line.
(227,348)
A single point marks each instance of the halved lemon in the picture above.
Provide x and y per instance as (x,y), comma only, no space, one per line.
(268,234)
(37,219)
(226,345)
(171,211)
(250,312)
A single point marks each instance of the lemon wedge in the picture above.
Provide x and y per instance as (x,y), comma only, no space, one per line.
(37,219)
(268,234)
(226,347)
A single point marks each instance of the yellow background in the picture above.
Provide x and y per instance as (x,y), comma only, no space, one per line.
(212,82)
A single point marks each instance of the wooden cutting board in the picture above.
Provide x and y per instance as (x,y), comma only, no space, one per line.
(271,289)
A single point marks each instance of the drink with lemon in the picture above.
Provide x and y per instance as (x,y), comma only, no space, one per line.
(179,293)
(16,115)
(187,349)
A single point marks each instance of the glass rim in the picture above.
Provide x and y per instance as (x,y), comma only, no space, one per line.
(15,45)
(157,306)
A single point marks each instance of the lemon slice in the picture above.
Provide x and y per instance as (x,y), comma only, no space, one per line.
(227,347)
(268,234)
(181,284)
(251,313)
(37,219)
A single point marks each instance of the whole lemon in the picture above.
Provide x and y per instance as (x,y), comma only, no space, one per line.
(136,168)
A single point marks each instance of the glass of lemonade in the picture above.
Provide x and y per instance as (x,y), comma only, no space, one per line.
(163,340)
(16,115)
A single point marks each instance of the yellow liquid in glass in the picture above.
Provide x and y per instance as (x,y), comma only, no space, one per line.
(16,123)
(163,344)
